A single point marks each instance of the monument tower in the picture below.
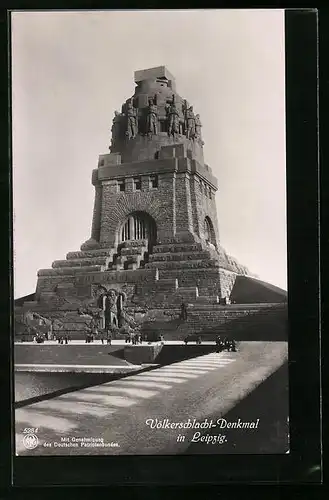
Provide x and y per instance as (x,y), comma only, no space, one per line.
(154,233)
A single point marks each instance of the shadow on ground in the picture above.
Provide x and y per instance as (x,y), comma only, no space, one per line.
(272,434)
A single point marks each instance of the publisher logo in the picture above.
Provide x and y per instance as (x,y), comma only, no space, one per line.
(30,441)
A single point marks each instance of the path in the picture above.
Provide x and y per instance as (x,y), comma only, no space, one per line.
(117,411)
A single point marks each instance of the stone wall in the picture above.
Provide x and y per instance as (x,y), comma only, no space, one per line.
(227,280)
(81,284)
(158,203)
(95,230)
(142,354)
(184,197)
(242,323)
(203,206)
(184,222)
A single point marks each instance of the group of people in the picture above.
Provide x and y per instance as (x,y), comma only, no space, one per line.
(134,338)
(91,336)
(63,339)
(225,344)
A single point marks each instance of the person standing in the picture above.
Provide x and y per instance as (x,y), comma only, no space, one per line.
(183,314)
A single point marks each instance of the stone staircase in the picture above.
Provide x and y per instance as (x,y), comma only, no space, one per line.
(184,272)
(131,255)
(158,278)
(86,260)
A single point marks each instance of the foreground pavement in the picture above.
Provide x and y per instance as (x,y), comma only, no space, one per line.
(116,417)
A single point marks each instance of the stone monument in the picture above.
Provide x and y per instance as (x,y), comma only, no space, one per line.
(154,237)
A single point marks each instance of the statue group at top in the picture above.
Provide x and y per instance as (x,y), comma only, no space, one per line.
(191,126)
(145,121)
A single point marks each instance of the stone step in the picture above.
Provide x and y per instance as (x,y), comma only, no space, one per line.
(188,289)
(191,264)
(178,247)
(156,287)
(90,254)
(121,259)
(207,280)
(101,261)
(251,308)
(168,280)
(122,262)
(134,243)
(188,293)
(207,299)
(133,251)
(69,271)
(209,291)
(182,256)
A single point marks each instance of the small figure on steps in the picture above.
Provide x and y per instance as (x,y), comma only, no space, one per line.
(183,314)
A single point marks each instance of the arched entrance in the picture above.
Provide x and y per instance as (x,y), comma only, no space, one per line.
(136,237)
(138,226)
(209,232)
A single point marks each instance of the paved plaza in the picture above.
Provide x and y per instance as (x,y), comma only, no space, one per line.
(116,413)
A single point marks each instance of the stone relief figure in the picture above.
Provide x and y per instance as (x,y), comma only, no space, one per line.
(131,114)
(152,117)
(121,298)
(116,128)
(198,126)
(184,110)
(111,306)
(190,123)
(110,309)
(173,118)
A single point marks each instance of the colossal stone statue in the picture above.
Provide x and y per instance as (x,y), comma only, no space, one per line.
(111,306)
(190,123)
(110,309)
(152,117)
(173,118)
(198,126)
(131,114)
(116,129)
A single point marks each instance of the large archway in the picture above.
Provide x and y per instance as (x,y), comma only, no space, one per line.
(139,232)
(209,232)
(138,226)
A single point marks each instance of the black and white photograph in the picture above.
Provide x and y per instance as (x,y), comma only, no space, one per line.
(149,232)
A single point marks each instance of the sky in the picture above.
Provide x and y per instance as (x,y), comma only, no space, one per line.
(72,69)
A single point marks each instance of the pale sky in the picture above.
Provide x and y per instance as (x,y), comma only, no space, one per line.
(72,69)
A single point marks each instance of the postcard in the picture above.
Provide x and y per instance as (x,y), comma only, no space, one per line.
(150,245)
